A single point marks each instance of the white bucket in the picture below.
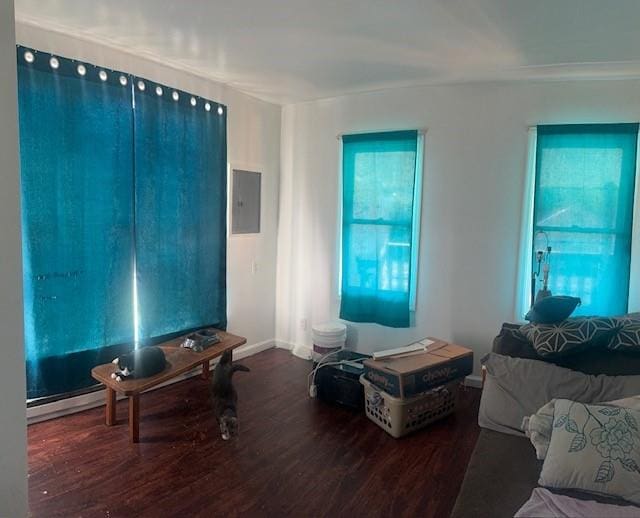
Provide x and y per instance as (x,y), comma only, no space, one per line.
(328,338)
(330,330)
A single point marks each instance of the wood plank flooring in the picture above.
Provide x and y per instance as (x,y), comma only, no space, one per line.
(294,456)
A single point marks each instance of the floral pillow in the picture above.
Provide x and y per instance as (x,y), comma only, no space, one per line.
(594,448)
(538,427)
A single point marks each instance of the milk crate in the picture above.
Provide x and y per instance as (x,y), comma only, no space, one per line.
(399,417)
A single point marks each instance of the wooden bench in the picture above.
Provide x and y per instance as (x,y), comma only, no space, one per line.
(179,361)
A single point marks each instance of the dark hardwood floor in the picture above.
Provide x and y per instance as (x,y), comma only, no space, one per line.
(294,456)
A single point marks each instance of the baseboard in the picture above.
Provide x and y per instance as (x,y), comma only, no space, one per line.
(473,381)
(281,344)
(93,399)
(301,351)
(250,350)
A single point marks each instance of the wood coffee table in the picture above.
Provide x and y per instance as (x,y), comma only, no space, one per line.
(179,361)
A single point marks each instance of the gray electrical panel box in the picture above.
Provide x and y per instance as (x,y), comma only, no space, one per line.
(245,209)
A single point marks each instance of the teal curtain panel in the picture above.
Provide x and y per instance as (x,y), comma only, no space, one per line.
(583,201)
(76,159)
(379,179)
(180,212)
(123,216)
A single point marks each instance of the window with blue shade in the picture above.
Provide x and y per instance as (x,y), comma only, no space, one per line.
(123,186)
(381,179)
(583,202)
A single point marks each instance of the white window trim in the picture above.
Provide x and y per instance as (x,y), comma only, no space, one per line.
(634,272)
(523,282)
(338,258)
(417,219)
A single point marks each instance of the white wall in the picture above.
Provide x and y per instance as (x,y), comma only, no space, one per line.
(13,455)
(475,153)
(253,143)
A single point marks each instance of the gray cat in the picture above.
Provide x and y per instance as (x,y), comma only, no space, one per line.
(225,397)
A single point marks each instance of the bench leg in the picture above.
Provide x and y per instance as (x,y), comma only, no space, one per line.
(134,418)
(110,406)
(205,370)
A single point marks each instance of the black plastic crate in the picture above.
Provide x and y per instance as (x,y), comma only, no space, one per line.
(340,384)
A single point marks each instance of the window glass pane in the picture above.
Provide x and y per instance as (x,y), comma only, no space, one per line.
(588,266)
(383,181)
(379,257)
(581,186)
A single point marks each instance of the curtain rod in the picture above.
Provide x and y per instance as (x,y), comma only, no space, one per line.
(421,131)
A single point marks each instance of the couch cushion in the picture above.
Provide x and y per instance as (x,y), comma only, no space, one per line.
(515,388)
(502,472)
(511,342)
(602,361)
(597,360)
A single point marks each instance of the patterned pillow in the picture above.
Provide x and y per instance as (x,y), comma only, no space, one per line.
(628,336)
(570,336)
(594,448)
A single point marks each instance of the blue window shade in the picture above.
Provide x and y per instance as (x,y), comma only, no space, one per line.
(584,191)
(379,182)
(180,212)
(77,210)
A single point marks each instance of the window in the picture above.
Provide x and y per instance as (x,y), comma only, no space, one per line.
(380,226)
(583,205)
(123,216)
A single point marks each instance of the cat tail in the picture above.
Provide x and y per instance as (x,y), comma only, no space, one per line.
(239,367)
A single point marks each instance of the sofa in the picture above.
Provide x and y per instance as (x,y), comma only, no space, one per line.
(503,469)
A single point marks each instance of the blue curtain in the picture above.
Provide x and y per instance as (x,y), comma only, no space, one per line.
(180,212)
(584,192)
(379,180)
(77,217)
(115,183)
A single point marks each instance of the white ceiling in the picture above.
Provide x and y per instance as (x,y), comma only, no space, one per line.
(296,50)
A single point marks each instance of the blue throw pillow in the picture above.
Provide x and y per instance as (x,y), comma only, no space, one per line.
(552,310)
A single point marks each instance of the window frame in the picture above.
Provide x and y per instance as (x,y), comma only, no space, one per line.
(523,286)
(416,218)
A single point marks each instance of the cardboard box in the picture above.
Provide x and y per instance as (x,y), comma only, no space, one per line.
(414,373)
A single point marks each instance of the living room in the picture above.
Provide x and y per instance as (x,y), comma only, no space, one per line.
(471,228)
